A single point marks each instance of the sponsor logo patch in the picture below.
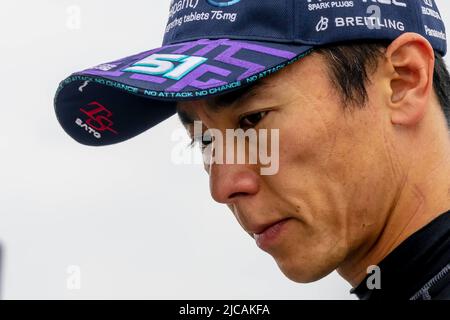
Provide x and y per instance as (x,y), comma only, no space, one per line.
(223,3)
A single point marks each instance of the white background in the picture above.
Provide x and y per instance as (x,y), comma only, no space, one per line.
(137,225)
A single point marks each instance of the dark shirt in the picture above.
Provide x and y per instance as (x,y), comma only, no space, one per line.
(418,269)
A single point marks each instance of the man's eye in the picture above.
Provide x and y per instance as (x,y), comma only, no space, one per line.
(251,120)
(204,140)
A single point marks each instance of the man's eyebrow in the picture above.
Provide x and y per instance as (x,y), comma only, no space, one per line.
(185,118)
(224,101)
(232,98)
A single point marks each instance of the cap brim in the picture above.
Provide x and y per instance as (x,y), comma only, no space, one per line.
(116,101)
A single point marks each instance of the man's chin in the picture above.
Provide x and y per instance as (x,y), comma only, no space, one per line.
(303,273)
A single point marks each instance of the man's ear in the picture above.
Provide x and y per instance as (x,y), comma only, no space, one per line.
(412,60)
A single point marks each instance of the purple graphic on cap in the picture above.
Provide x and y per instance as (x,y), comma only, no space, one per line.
(192,79)
(226,56)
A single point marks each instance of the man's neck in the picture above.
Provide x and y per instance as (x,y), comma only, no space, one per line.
(421,199)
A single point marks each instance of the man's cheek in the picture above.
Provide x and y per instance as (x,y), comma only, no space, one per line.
(297,144)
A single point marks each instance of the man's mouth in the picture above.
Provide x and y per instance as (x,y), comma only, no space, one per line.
(267,235)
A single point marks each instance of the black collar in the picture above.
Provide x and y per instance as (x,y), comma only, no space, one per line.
(413,263)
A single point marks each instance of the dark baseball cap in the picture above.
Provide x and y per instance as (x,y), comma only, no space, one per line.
(212,47)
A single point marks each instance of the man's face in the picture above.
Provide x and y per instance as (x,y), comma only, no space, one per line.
(333,186)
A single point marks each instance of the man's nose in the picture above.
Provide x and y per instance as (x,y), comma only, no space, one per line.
(229,182)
